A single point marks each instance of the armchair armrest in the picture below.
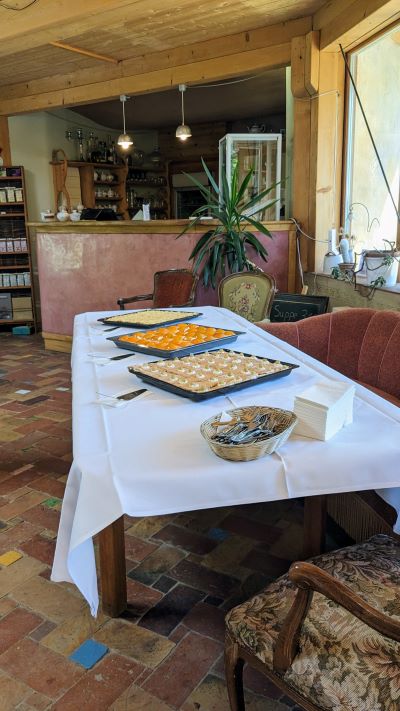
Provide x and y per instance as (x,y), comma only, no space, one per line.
(309,578)
(130,299)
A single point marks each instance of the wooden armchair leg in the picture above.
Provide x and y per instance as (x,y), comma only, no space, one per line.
(234,675)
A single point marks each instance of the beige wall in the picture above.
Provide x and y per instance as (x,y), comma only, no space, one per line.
(34,136)
(343,294)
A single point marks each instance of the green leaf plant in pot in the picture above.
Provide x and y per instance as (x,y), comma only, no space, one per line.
(223,248)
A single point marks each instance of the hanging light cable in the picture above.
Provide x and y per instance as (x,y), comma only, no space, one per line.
(125,141)
(183,132)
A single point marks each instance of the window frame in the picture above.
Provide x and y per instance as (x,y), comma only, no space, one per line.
(350,101)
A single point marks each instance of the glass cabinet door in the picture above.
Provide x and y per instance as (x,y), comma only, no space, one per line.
(262,153)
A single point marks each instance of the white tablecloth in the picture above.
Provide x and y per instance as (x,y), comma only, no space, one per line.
(149,458)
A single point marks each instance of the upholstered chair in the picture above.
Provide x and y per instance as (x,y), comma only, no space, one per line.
(249,294)
(327,633)
(173,287)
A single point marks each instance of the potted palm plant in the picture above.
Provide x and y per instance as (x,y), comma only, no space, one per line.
(224,247)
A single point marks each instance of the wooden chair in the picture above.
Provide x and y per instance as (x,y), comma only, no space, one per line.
(174,287)
(249,294)
(338,649)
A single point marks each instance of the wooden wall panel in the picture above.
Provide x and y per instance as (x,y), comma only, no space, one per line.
(5,141)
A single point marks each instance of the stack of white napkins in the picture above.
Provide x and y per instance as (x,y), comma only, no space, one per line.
(323,409)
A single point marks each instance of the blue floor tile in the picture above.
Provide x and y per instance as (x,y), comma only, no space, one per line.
(89,653)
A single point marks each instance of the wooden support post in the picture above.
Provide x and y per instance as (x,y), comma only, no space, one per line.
(314,525)
(5,151)
(112,568)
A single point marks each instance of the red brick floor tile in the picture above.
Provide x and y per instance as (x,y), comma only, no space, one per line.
(250,529)
(16,625)
(141,597)
(44,629)
(44,517)
(166,614)
(176,678)
(202,578)
(15,536)
(99,688)
(40,548)
(137,549)
(206,620)
(182,538)
(50,486)
(40,668)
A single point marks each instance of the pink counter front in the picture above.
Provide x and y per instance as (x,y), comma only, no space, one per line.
(89,265)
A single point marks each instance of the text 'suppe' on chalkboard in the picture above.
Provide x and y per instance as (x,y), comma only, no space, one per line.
(294,307)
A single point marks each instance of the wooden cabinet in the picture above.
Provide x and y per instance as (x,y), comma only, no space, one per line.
(101,185)
(16,282)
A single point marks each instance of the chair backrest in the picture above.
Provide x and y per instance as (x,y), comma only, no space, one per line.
(249,294)
(363,344)
(174,287)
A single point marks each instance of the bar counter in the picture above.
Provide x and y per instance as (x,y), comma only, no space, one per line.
(88,265)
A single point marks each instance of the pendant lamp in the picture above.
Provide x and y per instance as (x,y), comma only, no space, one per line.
(183,132)
(125,141)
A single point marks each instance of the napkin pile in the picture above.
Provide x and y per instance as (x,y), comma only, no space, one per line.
(323,409)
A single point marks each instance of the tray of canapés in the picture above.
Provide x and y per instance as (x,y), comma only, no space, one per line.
(148,318)
(176,340)
(205,375)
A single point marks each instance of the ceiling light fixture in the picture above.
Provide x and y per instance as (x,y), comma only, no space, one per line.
(183,132)
(125,141)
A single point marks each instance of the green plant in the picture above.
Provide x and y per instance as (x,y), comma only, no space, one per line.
(223,248)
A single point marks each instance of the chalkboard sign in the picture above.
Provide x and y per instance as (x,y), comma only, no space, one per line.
(294,307)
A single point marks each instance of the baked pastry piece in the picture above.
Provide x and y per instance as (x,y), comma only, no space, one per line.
(211,370)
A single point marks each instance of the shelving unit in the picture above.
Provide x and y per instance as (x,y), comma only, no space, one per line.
(17,304)
(148,183)
(92,186)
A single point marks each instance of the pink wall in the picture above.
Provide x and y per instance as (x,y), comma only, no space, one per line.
(81,272)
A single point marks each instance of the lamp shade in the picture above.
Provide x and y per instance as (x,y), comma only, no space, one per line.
(125,141)
(183,132)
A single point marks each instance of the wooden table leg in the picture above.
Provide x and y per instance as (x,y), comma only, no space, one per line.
(314,525)
(112,568)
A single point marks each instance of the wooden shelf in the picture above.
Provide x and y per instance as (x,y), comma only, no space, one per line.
(106,182)
(107,199)
(7,288)
(12,214)
(10,177)
(14,266)
(6,254)
(4,321)
(145,184)
(11,204)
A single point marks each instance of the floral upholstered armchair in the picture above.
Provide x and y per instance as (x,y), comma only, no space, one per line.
(249,294)
(327,633)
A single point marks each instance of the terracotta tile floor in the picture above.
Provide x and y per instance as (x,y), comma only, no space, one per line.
(183,572)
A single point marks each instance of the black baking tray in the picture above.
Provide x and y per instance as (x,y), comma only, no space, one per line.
(197,396)
(179,352)
(191,315)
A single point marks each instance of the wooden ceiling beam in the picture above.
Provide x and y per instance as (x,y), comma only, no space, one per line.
(222,46)
(259,49)
(349,22)
(159,80)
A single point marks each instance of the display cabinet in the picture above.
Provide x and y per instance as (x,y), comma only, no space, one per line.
(148,185)
(263,153)
(16,282)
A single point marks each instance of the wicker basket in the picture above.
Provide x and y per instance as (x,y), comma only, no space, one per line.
(284,422)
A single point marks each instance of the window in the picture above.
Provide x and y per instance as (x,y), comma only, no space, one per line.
(368,209)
